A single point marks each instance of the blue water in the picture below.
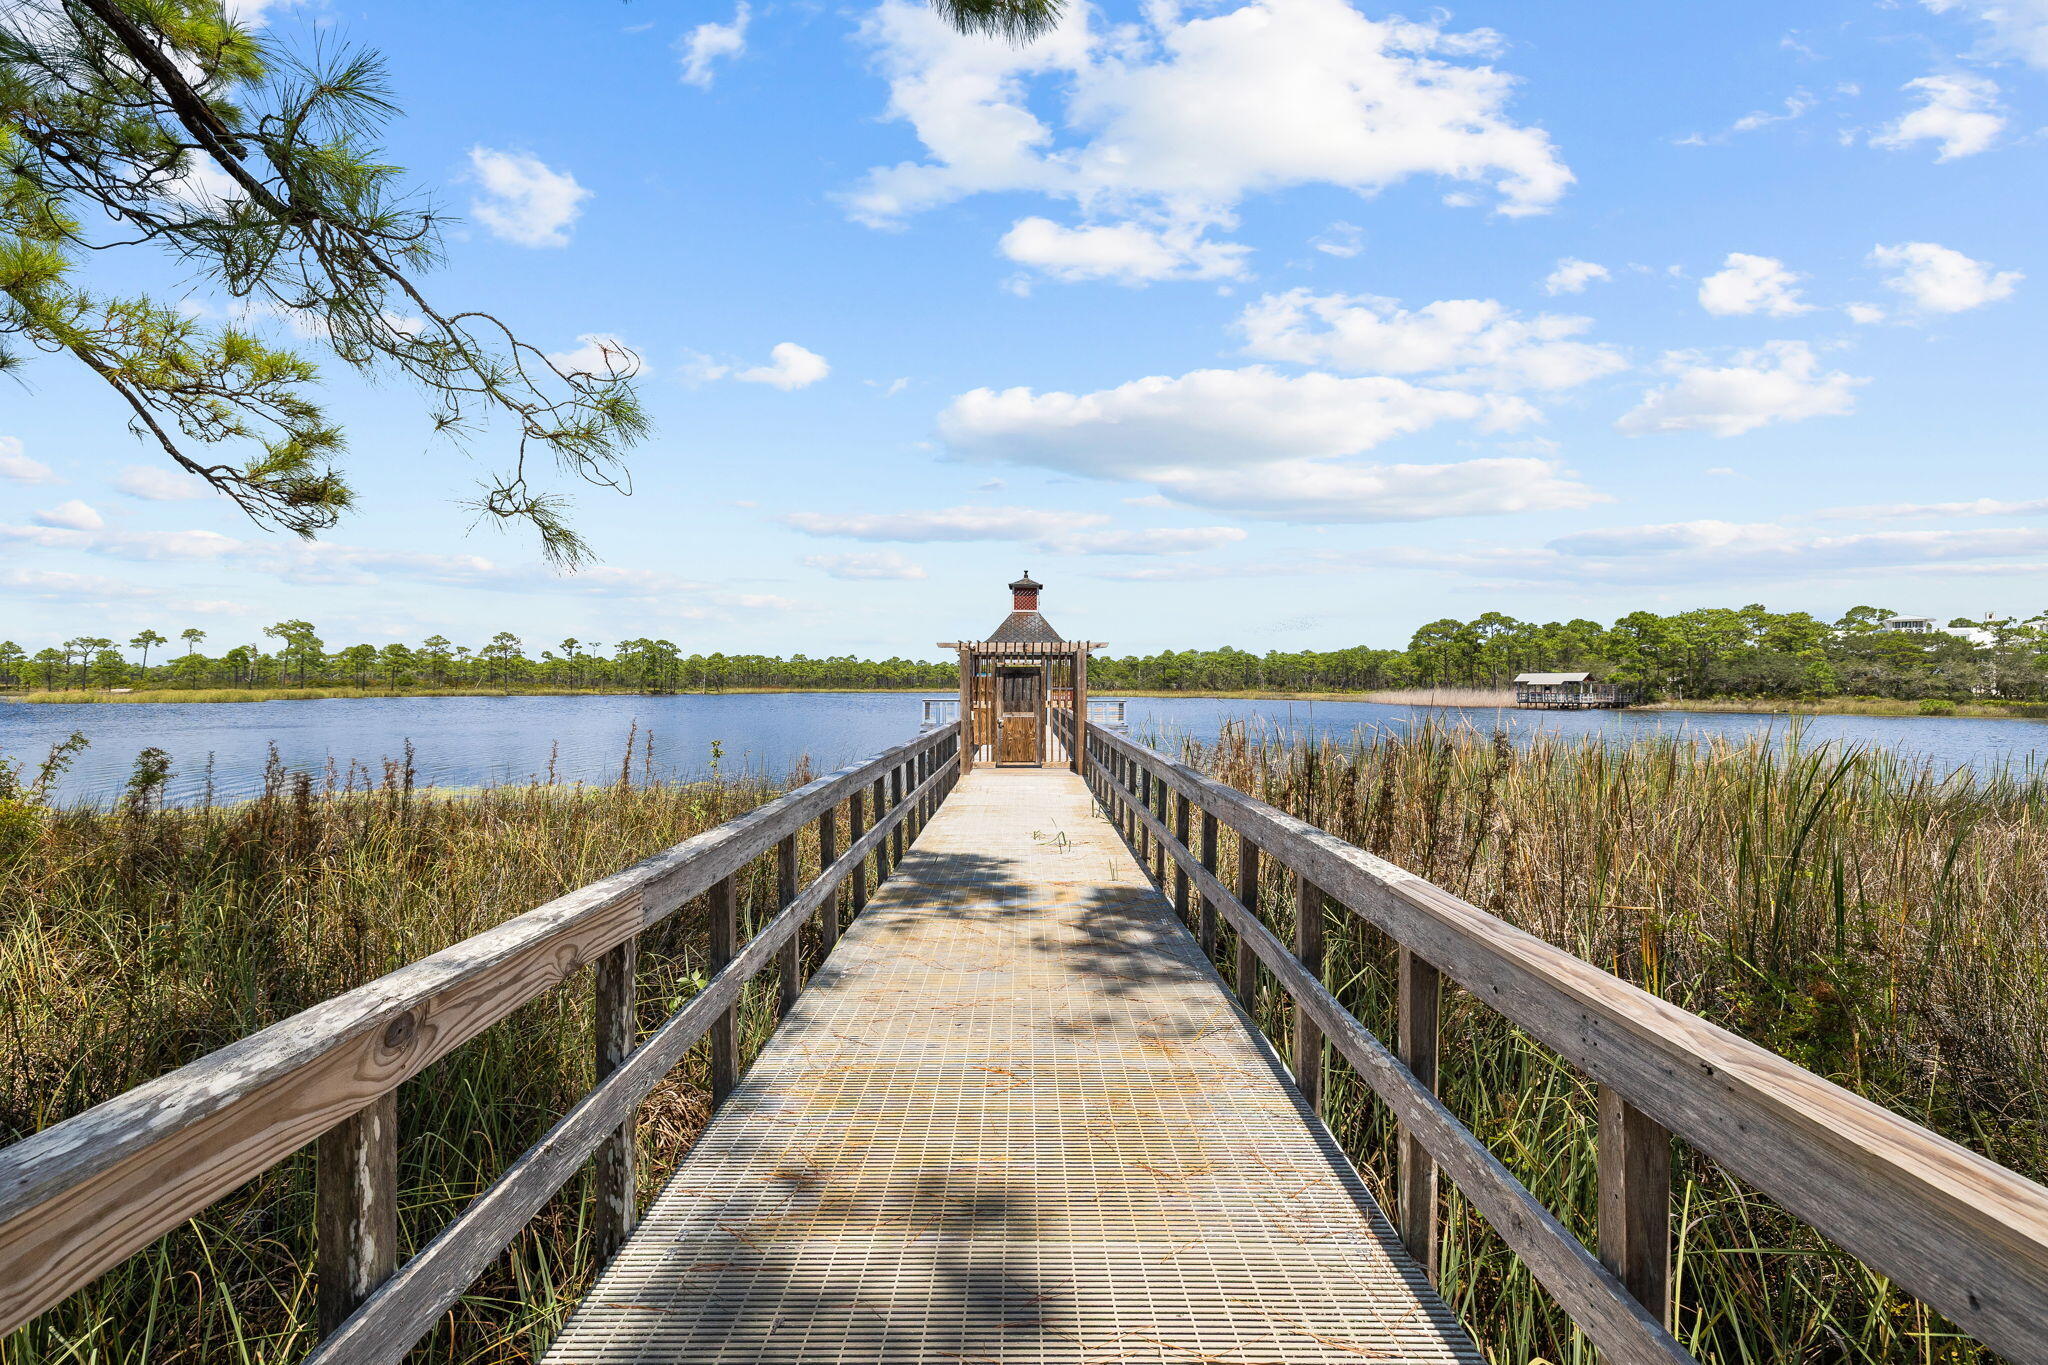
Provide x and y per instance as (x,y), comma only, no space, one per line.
(473,741)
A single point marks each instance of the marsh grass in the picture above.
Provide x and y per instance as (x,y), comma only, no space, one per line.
(139,939)
(1871,918)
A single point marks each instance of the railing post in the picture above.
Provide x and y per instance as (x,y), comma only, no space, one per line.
(617,1030)
(356,1224)
(790,957)
(725,1038)
(1247,972)
(1143,830)
(881,848)
(1635,1202)
(828,854)
(1181,905)
(1158,808)
(1207,932)
(895,801)
(856,825)
(1308,946)
(1420,997)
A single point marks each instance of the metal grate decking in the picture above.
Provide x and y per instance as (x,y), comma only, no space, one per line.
(1016,1117)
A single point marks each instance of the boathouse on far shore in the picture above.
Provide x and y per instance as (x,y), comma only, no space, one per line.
(1565,692)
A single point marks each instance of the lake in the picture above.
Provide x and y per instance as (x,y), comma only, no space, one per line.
(476,741)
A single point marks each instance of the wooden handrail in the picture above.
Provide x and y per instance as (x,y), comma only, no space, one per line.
(83,1194)
(1961,1233)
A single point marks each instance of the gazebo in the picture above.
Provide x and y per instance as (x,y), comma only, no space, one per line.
(1023,690)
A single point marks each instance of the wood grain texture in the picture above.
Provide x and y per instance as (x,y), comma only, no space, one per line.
(1621,1327)
(1205,932)
(723,914)
(1635,1201)
(1245,974)
(789,974)
(355,1181)
(615,1028)
(1962,1233)
(1182,905)
(828,853)
(1418,1008)
(856,821)
(85,1193)
(1308,950)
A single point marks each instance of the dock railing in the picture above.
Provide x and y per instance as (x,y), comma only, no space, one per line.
(1965,1236)
(85,1193)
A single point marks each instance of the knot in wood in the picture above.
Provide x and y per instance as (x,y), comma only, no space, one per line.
(400,1031)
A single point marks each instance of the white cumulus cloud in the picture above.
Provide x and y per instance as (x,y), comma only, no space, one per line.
(1266,444)
(1573,275)
(1780,381)
(19,468)
(524,201)
(1465,341)
(72,515)
(600,354)
(789,366)
(1129,253)
(1960,112)
(1167,124)
(2017,28)
(705,45)
(1752,284)
(1938,279)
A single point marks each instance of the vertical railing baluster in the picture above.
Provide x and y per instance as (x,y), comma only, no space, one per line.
(725,941)
(790,957)
(828,854)
(857,825)
(1308,946)
(355,1166)
(1419,1004)
(1181,904)
(1247,970)
(613,1188)
(1159,845)
(895,803)
(1207,933)
(882,845)
(1635,1202)
(1144,830)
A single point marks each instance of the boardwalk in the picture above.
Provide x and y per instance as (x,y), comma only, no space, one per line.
(1015,1118)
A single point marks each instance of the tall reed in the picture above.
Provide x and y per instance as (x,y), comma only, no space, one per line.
(1872,918)
(137,940)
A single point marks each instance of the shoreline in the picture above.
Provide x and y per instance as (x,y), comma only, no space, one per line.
(1452,699)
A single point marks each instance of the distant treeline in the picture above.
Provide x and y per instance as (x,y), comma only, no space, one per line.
(1710,652)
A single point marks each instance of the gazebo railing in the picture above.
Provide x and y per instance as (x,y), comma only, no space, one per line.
(84,1194)
(1964,1235)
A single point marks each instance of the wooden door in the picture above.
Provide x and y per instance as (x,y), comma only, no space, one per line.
(1018,692)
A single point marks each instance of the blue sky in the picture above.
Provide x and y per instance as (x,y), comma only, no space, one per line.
(1284,324)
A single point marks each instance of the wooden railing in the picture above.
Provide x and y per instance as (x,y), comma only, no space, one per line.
(1964,1235)
(83,1194)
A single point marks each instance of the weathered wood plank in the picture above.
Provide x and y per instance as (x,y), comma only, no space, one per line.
(1245,976)
(355,1180)
(1957,1231)
(1182,906)
(856,823)
(790,980)
(1205,933)
(828,853)
(1308,950)
(83,1194)
(723,913)
(1635,1201)
(1418,1007)
(616,1028)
